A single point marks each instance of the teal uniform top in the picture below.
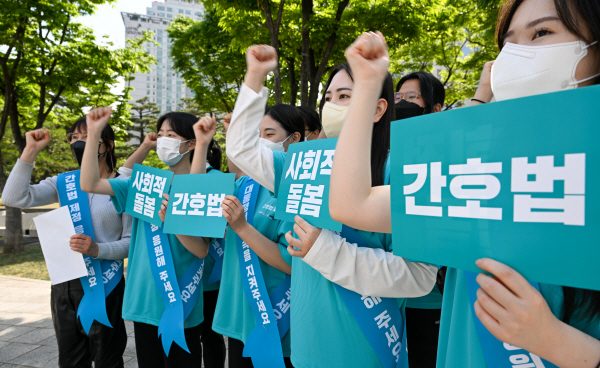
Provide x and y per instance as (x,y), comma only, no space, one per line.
(458,341)
(233,315)
(142,301)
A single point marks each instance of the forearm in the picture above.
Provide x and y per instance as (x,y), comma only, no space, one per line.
(234,169)
(199,160)
(19,193)
(114,250)
(368,271)
(29,155)
(568,347)
(90,172)
(265,248)
(196,245)
(138,156)
(254,80)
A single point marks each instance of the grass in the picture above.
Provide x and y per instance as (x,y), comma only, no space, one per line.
(29,264)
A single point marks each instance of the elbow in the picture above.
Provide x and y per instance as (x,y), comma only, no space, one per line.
(337,210)
(86,187)
(10,202)
(425,282)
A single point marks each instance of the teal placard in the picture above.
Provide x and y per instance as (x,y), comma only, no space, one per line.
(195,205)
(147,185)
(304,187)
(532,165)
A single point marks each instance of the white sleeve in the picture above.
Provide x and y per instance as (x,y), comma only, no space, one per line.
(243,145)
(369,271)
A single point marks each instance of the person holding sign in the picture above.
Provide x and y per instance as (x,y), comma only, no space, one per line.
(103,237)
(148,300)
(558,324)
(316,299)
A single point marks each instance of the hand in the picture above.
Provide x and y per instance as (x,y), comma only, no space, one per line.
(84,244)
(308,235)
(234,213)
(368,57)
(163,208)
(37,140)
(261,59)
(97,119)
(205,130)
(227,121)
(511,309)
(484,90)
(150,140)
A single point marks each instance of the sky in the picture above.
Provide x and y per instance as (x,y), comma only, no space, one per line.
(107,20)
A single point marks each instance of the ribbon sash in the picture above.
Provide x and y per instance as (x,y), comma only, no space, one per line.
(499,354)
(215,249)
(264,344)
(379,318)
(93,304)
(165,279)
(280,297)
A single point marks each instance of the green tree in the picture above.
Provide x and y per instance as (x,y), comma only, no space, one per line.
(50,63)
(144,114)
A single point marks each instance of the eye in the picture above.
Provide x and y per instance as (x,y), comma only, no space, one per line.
(541,33)
(344,96)
(327,99)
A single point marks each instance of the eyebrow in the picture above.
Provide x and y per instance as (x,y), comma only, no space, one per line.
(270,129)
(341,89)
(531,24)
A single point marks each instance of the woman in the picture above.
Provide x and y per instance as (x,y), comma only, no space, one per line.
(280,126)
(318,315)
(142,302)
(312,122)
(558,324)
(102,345)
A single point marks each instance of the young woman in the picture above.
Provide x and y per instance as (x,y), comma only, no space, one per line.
(280,126)
(312,122)
(325,331)
(112,231)
(559,324)
(213,344)
(142,302)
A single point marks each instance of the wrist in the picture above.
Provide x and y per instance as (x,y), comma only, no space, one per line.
(254,80)
(484,94)
(29,155)
(242,228)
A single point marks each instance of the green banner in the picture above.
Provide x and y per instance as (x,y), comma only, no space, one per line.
(510,180)
(147,185)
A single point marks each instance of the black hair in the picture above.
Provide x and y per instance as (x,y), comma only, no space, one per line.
(288,117)
(380,143)
(107,135)
(432,90)
(311,118)
(582,303)
(182,123)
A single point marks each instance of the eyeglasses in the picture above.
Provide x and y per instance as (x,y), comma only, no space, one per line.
(409,96)
(74,137)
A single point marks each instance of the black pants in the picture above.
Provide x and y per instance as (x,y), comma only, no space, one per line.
(213,344)
(104,345)
(150,354)
(236,360)
(422,331)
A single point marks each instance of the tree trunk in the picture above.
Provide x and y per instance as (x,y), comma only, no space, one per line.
(293,83)
(307,11)
(273,27)
(13,235)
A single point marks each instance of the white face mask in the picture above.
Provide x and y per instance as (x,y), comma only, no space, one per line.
(308,136)
(168,150)
(274,146)
(521,71)
(333,117)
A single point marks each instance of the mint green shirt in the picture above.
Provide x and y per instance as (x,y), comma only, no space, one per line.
(142,301)
(233,315)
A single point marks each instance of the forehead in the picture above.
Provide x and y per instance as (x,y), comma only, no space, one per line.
(411,85)
(340,80)
(166,125)
(530,10)
(269,123)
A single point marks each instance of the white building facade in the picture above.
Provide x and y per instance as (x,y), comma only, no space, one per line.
(162,84)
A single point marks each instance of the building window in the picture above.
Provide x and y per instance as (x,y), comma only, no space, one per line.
(159,60)
(159,73)
(159,101)
(161,14)
(148,78)
(180,11)
(188,12)
(161,8)
(169,94)
(179,95)
(148,92)
(159,53)
(169,88)
(169,107)
(160,32)
(178,89)
(159,39)
(159,80)
(148,85)
(169,15)
(149,13)
(159,94)
(170,9)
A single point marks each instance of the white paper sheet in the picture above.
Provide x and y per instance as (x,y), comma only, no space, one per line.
(55,229)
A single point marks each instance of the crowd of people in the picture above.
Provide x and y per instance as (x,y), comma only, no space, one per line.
(546,46)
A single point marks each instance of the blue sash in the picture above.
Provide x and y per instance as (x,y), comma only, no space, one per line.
(497,353)
(191,281)
(379,318)
(215,249)
(264,344)
(281,299)
(165,279)
(93,304)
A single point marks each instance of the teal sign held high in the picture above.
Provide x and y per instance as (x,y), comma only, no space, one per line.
(304,187)
(195,205)
(513,181)
(146,193)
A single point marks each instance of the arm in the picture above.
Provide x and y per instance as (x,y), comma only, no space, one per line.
(243,145)
(516,313)
(265,248)
(118,249)
(366,271)
(484,90)
(369,208)
(232,167)
(90,173)
(142,152)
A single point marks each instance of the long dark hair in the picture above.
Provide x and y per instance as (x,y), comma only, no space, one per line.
(288,117)
(311,118)
(580,303)
(108,137)
(380,144)
(432,90)
(182,123)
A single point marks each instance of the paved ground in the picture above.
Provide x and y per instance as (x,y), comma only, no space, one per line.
(26,332)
